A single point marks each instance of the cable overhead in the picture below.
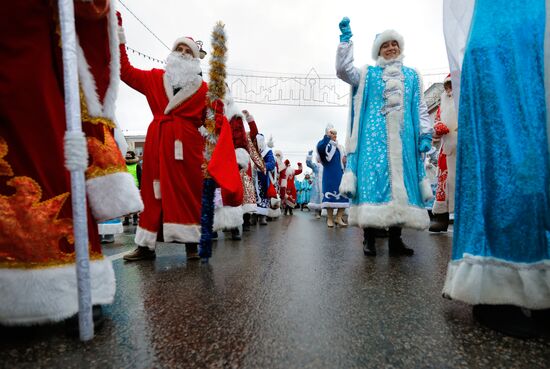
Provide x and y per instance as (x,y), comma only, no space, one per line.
(143,24)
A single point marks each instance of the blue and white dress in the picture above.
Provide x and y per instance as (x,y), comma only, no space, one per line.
(388,120)
(316,196)
(501,245)
(332,159)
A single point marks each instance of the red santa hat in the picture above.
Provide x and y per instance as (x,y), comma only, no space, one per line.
(387,35)
(447,80)
(189,42)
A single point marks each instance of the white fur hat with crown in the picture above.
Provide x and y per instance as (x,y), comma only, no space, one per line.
(387,35)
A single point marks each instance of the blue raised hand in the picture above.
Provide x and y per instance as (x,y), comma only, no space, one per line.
(345,29)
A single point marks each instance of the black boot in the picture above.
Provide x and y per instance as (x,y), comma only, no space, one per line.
(192,251)
(253,219)
(507,319)
(246,222)
(369,241)
(440,223)
(235,234)
(396,245)
(135,219)
(290,210)
(262,220)
(126,221)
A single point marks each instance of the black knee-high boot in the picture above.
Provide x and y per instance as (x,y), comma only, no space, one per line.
(369,241)
(396,245)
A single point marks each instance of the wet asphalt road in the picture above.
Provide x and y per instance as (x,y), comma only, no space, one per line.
(293,294)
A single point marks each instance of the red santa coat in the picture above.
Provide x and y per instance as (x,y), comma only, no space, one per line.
(172,178)
(446,127)
(37,272)
(290,199)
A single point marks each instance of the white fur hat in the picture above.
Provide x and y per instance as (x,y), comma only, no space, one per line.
(189,42)
(385,36)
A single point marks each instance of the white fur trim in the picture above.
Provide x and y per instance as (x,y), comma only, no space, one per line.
(183,233)
(313,206)
(387,215)
(110,228)
(250,208)
(385,36)
(381,62)
(34,296)
(426,190)
(273,213)
(176,100)
(440,207)
(121,35)
(348,184)
(187,41)
(243,158)
(485,280)
(228,217)
(249,118)
(334,205)
(156,189)
(284,182)
(353,133)
(95,108)
(145,238)
(113,196)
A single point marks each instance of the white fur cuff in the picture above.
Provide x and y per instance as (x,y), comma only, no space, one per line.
(348,184)
(113,196)
(426,190)
(249,118)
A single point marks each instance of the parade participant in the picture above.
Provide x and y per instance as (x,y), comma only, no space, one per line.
(304,194)
(264,180)
(500,262)
(316,197)
(256,161)
(171,185)
(333,158)
(290,188)
(446,128)
(227,217)
(275,197)
(389,129)
(281,178)
(38,282)
(134,168)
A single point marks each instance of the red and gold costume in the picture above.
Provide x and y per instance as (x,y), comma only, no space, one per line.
(37,271)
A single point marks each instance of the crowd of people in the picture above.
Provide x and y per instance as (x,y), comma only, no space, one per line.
(377,182)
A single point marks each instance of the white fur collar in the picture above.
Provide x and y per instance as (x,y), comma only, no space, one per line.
(381,62)
(187,91)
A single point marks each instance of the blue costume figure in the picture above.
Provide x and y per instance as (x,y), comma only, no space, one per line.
(501,245)
(332,157)
(316,196)
(305,191)
(388,130)
(262,180)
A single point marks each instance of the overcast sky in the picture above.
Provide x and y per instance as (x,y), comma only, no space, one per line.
(284,36)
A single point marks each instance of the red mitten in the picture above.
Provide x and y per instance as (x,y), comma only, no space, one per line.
(440,129)
(119,18)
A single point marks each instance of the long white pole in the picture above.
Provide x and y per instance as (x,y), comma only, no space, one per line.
(78,184)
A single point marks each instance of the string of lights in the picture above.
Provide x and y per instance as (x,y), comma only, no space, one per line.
(143,24)
(143,55)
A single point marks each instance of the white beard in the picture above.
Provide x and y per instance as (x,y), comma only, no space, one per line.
(183,71)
